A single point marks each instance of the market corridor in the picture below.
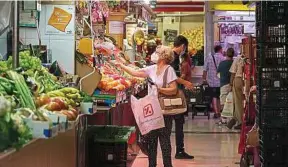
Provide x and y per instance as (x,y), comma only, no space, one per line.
(212,146)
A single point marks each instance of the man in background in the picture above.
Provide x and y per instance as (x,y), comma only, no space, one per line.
(180,48)
(210,76)
(225,75)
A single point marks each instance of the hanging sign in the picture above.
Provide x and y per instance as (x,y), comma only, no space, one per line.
(60,19)
(28,18)
(249,28)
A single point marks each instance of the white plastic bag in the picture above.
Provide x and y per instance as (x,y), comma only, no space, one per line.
(228,109)
(147,112)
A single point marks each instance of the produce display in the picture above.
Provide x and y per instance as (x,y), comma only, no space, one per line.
(56,105)
(117,6)
(139,37)
(112,77)
(31,93)
(13,130)
(195,38)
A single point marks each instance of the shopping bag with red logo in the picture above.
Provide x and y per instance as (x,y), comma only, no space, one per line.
(228,109)
(147,112)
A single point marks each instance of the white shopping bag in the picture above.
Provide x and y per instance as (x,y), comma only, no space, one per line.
(228,109)
(147,112)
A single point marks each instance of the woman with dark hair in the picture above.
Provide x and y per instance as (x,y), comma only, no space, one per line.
(185,67)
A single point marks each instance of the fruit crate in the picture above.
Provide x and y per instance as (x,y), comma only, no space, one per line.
(272,11)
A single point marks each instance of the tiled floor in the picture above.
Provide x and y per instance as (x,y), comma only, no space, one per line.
(212,146)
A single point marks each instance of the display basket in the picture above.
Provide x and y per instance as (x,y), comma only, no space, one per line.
(101,145)
(107,154)
(108,145)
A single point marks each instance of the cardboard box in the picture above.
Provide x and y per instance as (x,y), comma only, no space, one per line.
(42,129)
(90,83)
(86,108)
(62,123)
(71,125)
(54,118)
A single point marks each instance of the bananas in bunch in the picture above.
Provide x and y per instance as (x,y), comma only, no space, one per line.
(195,37)
(70,95)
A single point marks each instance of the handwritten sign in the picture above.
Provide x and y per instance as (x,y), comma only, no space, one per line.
(116,27)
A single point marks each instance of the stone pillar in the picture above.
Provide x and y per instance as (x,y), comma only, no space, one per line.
(209,30)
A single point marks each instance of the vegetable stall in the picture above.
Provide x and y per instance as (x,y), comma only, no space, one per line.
(34,107)
(41,113)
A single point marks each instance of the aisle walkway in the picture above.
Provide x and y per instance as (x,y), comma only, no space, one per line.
(210,149)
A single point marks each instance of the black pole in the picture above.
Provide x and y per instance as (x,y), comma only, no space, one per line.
(15,34)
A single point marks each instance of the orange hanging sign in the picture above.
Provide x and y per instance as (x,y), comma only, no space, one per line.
(60,19)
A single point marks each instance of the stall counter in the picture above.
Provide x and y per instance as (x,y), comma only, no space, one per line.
(59,151)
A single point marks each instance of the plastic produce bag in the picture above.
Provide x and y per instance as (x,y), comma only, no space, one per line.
(5,11)
(56,69)
(228,109)
(147,112)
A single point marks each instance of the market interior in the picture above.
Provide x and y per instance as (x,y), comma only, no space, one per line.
(66,99)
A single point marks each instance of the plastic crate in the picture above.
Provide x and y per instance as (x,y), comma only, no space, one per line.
(275,78)
(107,154)
(272,33)
(274,157)
(272,11)
(273,137)
(272,57)
(273,146)
(107,133)
(273,97)
(275,118)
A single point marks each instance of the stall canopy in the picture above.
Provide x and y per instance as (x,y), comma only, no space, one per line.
(5,14)
(179,6)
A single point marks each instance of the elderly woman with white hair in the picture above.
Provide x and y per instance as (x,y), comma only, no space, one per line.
(162,57)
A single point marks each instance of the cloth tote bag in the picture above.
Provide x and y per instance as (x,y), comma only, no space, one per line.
(147,112)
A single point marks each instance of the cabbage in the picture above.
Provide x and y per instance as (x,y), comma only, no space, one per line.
(5,106)
(13,130)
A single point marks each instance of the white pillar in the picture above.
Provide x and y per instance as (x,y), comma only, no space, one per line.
(209,30)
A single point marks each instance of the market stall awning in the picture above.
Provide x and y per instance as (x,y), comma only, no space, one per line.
(179,7)
(230,6)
